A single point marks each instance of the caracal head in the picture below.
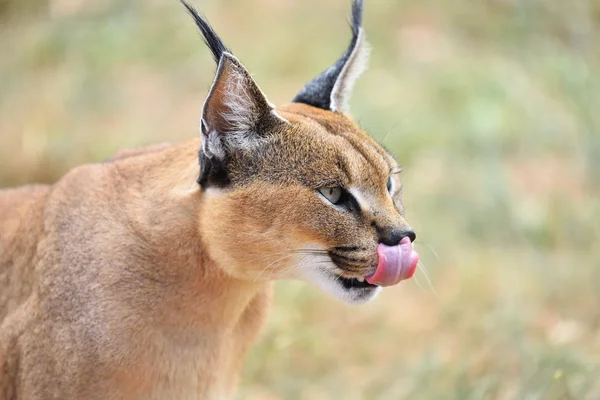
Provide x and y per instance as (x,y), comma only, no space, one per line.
(300,191)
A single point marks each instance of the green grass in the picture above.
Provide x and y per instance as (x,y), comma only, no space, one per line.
(490,106)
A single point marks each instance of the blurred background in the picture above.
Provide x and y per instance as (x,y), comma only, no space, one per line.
(491,106)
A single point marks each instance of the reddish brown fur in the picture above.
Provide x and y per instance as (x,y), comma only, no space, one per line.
(124,280)
(149,277)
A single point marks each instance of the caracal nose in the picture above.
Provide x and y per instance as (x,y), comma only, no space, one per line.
(391,236)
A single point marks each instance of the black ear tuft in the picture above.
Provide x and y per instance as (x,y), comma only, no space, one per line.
(330,90)
(212,40)
(357,14)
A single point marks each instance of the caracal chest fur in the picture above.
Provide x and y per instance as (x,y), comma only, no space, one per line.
(149,276)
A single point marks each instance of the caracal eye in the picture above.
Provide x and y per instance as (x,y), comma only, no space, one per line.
(333,194)
(390,185)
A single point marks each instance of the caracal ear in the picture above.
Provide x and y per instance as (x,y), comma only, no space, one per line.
(331,90)
(236,114)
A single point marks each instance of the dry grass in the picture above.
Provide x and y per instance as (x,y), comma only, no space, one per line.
(491,107)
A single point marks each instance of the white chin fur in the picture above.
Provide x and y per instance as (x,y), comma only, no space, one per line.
(321,276)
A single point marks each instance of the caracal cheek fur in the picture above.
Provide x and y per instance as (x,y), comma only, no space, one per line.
(265,235)
(149,276)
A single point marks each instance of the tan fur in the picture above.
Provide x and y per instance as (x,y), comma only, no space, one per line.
(149,277)
(125,281)
(156,319)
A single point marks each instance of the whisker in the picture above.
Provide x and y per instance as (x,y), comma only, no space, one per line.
(283,271)
(430,247)
(434,252)
(418,283)
(424,270)
(306,252)
(268,266)
(390,130)
(289,268)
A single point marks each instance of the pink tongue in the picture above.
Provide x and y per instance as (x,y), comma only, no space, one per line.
(396,263)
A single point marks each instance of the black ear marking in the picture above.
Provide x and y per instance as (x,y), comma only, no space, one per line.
(213,171)
(331,89)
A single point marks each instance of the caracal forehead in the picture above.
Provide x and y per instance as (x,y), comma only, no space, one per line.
(359,157)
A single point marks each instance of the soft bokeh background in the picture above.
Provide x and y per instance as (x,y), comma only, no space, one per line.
(493,109)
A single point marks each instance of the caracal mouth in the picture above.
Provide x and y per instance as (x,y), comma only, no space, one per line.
(349,290)
(395,264)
